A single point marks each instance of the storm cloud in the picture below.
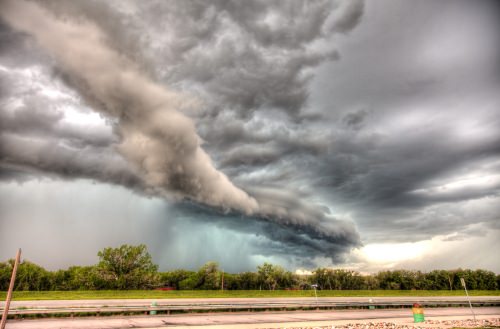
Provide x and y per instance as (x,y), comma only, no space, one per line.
(304,128)
(156,148)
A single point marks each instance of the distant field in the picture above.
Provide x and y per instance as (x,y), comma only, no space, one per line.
(138,294)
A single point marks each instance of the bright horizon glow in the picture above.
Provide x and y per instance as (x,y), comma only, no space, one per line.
(394,252)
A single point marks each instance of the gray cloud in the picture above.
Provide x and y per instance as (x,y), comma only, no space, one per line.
(160,141)
(36,118)
(329,117)
(348,16)
(245,56)
(153,146)
(355,119)
(285,239)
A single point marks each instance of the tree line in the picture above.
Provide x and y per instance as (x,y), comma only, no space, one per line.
(131,267)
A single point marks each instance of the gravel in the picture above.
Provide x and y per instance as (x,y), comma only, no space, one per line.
(429,324)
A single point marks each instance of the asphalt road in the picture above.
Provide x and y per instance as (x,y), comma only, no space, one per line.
(236,301)
(253,320)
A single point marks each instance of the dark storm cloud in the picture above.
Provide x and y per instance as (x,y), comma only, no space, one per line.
(66,162)
(387,113)
(253,62)
(410,182)
(392,171)
(157,140)
(16,48)
(285,240)
(355,119)
(416,112)
(348,16)
(35,137)
(245,56)
(273,147)
(221,47)
(15,175)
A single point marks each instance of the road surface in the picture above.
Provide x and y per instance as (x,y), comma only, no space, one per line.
(240,301)
(254,319)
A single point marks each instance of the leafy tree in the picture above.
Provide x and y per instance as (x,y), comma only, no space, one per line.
(249,281)
(347,279)
(232,281)
(87,278)
(128,267)
(389,280)
(485,280)
(287,280)
(269,275)
(338,279)
(31,276)
(468,277)
(190,282)
(438,280)
(303,282)
(61,280)
(321,277)
(209,277)
(131,267)
(174,278)
(5,274)
(371,283)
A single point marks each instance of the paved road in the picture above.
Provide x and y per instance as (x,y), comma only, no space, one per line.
(251,320)
(236,301)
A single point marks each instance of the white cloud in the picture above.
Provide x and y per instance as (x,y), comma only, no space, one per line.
(451,251)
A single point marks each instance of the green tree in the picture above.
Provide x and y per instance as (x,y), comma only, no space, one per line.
(270,275)
(389,280)
(209,277)
(31,276)
(174,278)
(189,283)
(128,267)
(5,273)
(61,280)
(321,277)
(288,280)
(249,281)
(370,282)
(87,278)
(338,279)
(467,275)
(485,280)
(303,281)
(438,280)
(232,281)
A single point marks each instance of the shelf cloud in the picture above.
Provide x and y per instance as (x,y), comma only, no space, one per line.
(307,130)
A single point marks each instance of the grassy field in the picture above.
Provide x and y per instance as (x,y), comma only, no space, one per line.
(154,294)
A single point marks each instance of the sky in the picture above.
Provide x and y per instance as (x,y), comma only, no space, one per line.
(347,134)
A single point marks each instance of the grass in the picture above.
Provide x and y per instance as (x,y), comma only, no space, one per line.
(154,294)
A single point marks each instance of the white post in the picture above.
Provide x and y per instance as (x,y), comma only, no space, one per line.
(462,281)
(315,294)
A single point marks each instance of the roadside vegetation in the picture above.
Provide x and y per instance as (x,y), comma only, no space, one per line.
(156,294)
(128,272)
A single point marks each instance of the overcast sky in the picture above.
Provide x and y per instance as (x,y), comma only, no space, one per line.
(347,134)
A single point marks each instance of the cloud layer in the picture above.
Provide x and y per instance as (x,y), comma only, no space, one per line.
(154,146)
(304,128)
